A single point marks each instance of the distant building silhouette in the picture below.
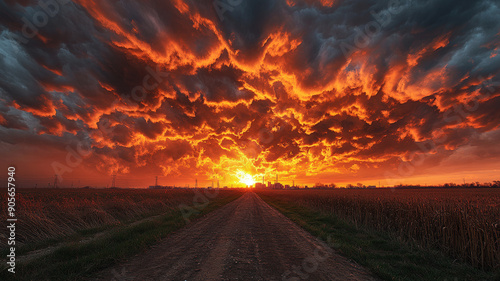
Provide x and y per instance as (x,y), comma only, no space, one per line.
(260,185)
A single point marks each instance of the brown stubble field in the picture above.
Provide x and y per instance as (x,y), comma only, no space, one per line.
(52,213)
(463,223)
(70,234)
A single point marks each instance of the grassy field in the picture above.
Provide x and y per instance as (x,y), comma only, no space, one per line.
(69,234)
(404,234)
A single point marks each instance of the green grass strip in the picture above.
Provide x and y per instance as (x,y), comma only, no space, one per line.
(77,261)
(387,257)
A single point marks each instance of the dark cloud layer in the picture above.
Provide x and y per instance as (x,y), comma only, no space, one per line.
(312,90)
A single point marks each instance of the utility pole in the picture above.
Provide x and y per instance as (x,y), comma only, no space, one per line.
(55,181)
(156,181)
(196,184)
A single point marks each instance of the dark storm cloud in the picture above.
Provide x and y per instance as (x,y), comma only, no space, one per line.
(271,82)
(247,23)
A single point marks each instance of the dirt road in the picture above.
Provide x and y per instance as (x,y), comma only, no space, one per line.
(244,240)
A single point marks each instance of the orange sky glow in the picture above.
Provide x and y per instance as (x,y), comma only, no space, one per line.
(189,91)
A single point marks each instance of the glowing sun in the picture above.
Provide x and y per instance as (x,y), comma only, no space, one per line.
(245,178)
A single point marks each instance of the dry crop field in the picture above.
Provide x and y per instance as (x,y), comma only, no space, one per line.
(52,213)
(464,223)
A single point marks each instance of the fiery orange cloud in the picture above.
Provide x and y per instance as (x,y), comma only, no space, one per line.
(176,89)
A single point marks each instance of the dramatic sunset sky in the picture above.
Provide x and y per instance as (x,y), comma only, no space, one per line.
(326,91)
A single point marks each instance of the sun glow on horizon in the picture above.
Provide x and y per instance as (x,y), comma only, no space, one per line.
(245,178)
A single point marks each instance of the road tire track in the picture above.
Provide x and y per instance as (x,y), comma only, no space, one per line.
(244,240)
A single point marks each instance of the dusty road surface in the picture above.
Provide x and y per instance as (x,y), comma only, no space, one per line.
(244,240)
